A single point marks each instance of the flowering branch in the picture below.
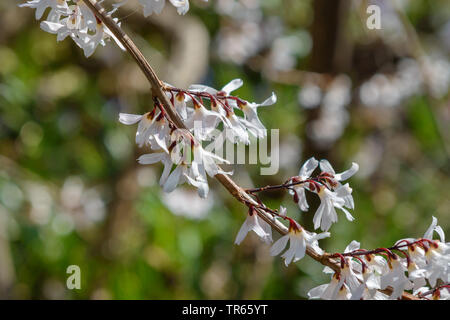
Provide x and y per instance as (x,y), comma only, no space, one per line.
(356,272)
(365,271)
(159,90)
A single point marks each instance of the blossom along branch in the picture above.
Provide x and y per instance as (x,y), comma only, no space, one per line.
(157,87)
(364,272)
(180,121)
(72,18)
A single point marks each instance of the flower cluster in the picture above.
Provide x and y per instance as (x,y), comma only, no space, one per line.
(183,147)
(418,265)
(72,18)
(327,185)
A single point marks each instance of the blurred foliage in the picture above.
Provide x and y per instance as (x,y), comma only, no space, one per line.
(71,192)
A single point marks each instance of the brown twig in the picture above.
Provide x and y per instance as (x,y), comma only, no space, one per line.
(157,87)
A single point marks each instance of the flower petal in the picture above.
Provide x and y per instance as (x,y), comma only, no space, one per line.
(325,166)
(279,245)
(308,167)
(232,85)
(348,173)
(127,118)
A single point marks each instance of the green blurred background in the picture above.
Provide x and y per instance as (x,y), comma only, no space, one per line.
(72,193)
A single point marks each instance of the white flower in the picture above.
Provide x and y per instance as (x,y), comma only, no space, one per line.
(152,6)
(282,211)
(207,160)
(181,174)
(438,264)
(159,133)
(416,275)
(348,276)
(222,103)
(417,254)
(225,91)
(437,255)
(254,223)
(158,157)
(375,264)
(345,192)
(144,127)
(76,21)
(153,130)
(90,42)
(235,129)
(434,228)
(299,190)
(326,214)
(343,293)
(373,294)
(333,180)
(179,103)
(58,7)
(202,121)
(251,115)
(327,291)
(442,294)
(71,25)
(326,167)
(299,240)
(395,277)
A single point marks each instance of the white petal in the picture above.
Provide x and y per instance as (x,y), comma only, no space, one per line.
(165,173)
(354,245)
(269,101)
(317,292)
(127,118)
(300,249)
(429,233)
(202,88)
(348,173)
(440,232)
(328,270)
(50,27)
(245,228)
(173,179)
(308,167)
(358,292)
(325,166)
(279,245)
(318,215)
(151,158)
(232,85)
(289,254)
(267,229)
(302,203)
